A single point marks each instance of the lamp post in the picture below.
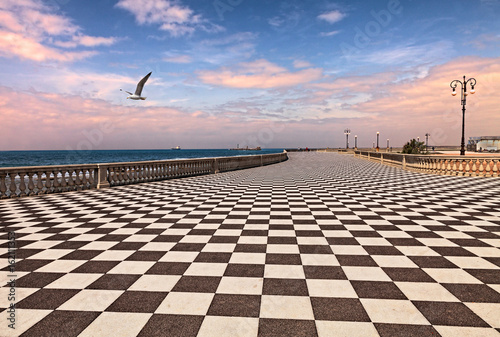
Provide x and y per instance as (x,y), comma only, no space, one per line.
(427,140)
(347,132)
(387,144)
(463,93)
(378,135)
(355,142)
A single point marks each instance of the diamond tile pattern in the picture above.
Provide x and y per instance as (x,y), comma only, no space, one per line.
(321,245)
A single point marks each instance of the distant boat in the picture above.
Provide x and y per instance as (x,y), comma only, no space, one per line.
(176,148)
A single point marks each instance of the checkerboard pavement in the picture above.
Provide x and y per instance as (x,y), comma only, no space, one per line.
(321,245)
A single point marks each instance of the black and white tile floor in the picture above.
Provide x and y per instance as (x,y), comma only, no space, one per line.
(323,244)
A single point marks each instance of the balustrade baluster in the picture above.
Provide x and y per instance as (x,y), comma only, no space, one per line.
(22,184)
(63,180)
(3,186)
(13,187)
(495,167)
(78,182)
(71,182)
(31,185)
(474,166)
(487,168)
(480,169)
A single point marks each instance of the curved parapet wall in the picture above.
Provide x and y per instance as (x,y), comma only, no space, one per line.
(481,166)
(37,180)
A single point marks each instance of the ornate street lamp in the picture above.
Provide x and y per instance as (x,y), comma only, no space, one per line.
(463,93)
(387,144)
(427,135)
(347,132)
(378,135)
(355,142)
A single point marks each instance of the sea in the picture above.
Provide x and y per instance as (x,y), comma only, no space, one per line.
(64,157)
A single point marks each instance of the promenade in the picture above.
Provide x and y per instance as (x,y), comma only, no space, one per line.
(323,244)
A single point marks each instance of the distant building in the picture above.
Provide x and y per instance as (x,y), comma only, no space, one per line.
(484,143)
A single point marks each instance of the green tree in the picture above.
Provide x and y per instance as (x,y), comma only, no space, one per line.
(414,147)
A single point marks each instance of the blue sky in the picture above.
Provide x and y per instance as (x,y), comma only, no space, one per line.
(268,73)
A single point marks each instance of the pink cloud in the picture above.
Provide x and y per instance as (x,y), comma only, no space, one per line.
(12,44)
(178,59)
(29,30)
(259,74)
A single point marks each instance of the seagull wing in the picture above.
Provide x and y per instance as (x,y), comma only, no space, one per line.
(140,85)
(128,92)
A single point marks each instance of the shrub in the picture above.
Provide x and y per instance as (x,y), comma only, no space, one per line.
(414,147)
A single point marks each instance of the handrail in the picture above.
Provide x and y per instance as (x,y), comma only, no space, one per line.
(482,166)
(37,180)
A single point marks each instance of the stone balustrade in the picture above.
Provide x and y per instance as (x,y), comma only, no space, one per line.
(37,180)
(484,166)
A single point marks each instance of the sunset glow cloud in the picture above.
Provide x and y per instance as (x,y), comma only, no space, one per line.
(259,74)
(28,29)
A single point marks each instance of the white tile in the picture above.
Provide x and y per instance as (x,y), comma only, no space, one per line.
(219,247)
(283,249)
(286,307)
(417,251)
(223,326)
(348,250)
(74,281)
(60,266)
(257,240)
(139,238)
(455,331)
(443,275)
(206,269)
(435,242)
(466,262)
(157,246)
(91,300)
(99,245)
(179,303)
(484,251)
(284,271)
(393,311)
(240,285)
(179,257)
(116,324)
(25,319)
(345,329)
(51,254)
(248,258)
(330,288)
(373,241)
(394,261)
(131,267)
(311,240)
(489,312)
(365,273)
(113,255)
(319,260)
(426,291)
(155,283)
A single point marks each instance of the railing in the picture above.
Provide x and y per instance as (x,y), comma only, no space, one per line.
(37,180)
(444,165)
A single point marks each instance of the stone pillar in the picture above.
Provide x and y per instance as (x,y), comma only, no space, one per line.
(102,176)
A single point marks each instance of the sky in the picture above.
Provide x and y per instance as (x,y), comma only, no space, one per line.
(275,74)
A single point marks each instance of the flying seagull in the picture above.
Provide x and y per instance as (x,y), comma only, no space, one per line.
(137,95)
